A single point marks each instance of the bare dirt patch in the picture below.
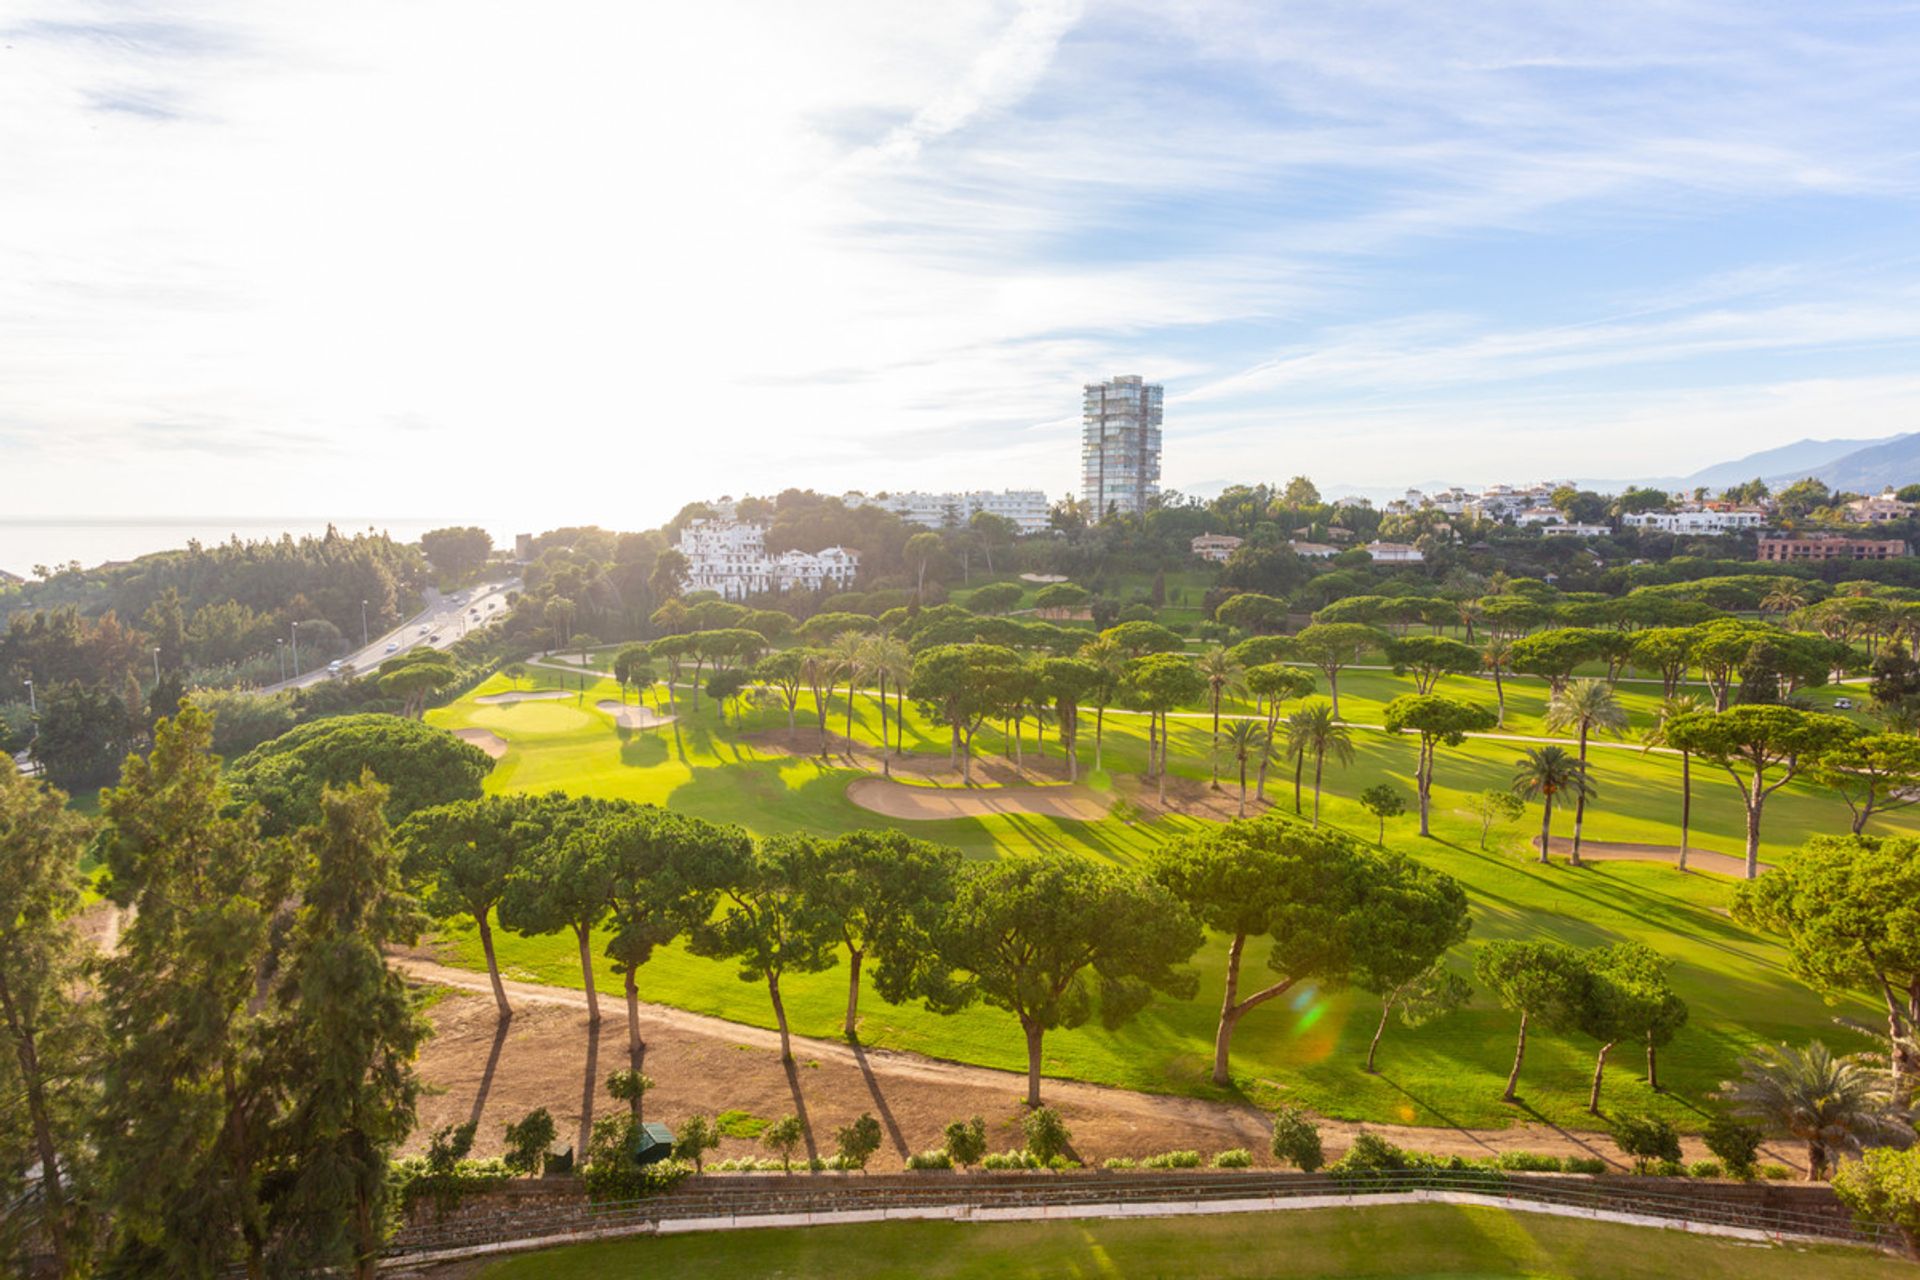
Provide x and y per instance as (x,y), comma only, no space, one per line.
(485,739)
(1196,798)
(523,695)
(1698,859)
(629,716)
(545,1057)
(923,803)
(1035,765)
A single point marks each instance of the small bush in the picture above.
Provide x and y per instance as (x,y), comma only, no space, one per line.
(1233,1158)
(1296,1140)
(1370,1152)
(1704,1169)
(1775,1172)
(1015,1159)
(740,1124)
(1528,1162)
(1584,1164)
(448,1145)
(966,1142)
(698,1135)
(925,1160)
(858,1141)
(784,1136)
(527,1142)
(1173,1160)
(1666,1169)
(1047,1134)
(559,1164)
(1646,1139)
(1120,1162)
(1736,1143)
(631,1181)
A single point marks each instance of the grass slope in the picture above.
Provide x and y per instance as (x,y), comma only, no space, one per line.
(1419,1242)
(1307,1048)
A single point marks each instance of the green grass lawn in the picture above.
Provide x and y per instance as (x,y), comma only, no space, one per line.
(1306,1048)
(1418,1242)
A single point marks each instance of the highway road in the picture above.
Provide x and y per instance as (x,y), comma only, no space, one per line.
(438,626)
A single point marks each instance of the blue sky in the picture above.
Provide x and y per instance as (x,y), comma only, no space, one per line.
(585,261)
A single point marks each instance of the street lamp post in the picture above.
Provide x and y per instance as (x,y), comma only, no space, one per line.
(280,651)
(156,666)
(364,641)
(296,651)
(33,707)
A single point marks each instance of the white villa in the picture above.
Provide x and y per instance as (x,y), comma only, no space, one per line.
(1395,553)
(1027,508)
(1700,521)
(730,557)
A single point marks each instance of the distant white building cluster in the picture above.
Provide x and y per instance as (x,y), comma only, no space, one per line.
(1027,508)
(1697,518)
(730,557)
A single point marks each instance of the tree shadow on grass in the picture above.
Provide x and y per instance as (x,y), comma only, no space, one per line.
(1567,1134)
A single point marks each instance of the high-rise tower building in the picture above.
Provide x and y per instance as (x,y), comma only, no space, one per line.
(1120,446)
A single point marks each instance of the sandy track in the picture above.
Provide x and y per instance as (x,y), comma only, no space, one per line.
(927,804)
(628,716)
(708,1064)
(1698,859)
(485,739)
(523,695)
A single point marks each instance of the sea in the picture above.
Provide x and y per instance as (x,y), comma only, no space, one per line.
(26,541)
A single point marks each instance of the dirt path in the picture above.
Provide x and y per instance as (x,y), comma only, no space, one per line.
(545,1057)
(900,800)
(1698,859)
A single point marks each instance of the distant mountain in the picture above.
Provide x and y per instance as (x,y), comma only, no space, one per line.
(1895,462)
(1790,462)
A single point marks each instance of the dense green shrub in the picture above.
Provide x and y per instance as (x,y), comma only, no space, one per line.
(1015,1159)
(857,1142)
(966,1142)
(1736,1143)
(1047,1134)
(1173,1160)
(1584,1164)
(1233,1158)
(1527,1162)
(1704,1169)
(1775,1172)
(934,1159)
(1120,1162)
(1647,1139)
(1296,1140)
(527,1142)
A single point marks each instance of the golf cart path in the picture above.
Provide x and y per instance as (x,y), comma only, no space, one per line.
(912,1071)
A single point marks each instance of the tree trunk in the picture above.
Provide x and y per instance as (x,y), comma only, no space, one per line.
(1333,687)
(1519,1056)
(1034,1032)
(1546,827)
(900,718)
(780,1016)
(44,1146)
(1424,784)
(1299,767)
(849,719)
(1162,773)
(1599,1069)
(1686,803)
(1386,1007)
(1580,801)
(636,1051)
(855,956)
(493,966)
(1099,723)
(586,973)
(1653,1065)
(1215,761)
(1755,801)
(886,759)
(1260,781)
(1500,696)
(1319,762)
(1243,788)
(1223,1035)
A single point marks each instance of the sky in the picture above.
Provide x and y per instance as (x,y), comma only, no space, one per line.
(585,261)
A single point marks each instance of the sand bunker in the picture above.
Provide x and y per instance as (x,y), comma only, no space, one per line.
(628,716)
(1698,859)
(926,804)
(532,695)
(485,739)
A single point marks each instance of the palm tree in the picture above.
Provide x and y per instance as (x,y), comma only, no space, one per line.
(1312,730)
(887,658)
(1684,704)
(1786,596)
(1586,706)
(849,654)
(1834,1105)
(1544,773)
(1107,655)
(1496,656)
(1245,738)
(1222,673)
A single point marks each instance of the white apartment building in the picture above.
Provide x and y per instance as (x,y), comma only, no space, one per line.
(1698,523)
(1027,508)
(1574,530)
(1395,553)
(730,557)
